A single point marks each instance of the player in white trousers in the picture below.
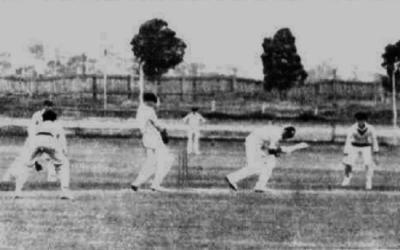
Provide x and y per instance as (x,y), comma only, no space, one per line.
(36,121)
(194,119)
(47,146)
(158,158)
(259,162)
(361,143)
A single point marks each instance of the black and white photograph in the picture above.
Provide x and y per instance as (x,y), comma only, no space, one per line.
(189,124)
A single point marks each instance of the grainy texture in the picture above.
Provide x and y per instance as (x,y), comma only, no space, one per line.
(308,210)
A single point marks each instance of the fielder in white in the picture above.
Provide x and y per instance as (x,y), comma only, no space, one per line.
(158,158)
(47,146)
(259,162)
(194,119)
(36,120)
(361,142)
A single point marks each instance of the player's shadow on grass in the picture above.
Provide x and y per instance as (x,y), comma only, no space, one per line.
(10,186)
(296,186)
(374,188)
(321,187)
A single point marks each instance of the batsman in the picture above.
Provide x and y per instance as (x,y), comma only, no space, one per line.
(262,150)
(154,138)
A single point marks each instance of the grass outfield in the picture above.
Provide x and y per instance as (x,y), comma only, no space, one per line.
(121,219)
(308,210)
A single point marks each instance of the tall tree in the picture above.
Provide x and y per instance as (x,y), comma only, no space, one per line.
(76,64)
(282,65)
(391,60)
(37,50)
(157,48)
(54,67)
(390,57)
(26,71)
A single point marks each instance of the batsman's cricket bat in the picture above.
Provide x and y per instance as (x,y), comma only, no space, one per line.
(298,146)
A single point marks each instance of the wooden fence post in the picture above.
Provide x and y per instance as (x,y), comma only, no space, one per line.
(181,83)
(213,105)
(233,83)
(94,88)
(194,89)
(34,86)
(28,85)
(129,89)
(52,89)
(333,131)
(263,107)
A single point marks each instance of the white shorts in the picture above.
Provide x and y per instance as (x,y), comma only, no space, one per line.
(359,157)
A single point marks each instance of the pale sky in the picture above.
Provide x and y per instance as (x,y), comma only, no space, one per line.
(351,35)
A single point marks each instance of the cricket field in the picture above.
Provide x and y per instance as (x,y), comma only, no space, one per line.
(308,210)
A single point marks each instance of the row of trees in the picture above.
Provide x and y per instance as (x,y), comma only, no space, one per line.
(391,58)
(61,65)
(157,49)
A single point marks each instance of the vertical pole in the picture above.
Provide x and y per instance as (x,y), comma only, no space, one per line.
(181,85)
(180,167)
(263,107)
(194,89)
(105,91)
(105,80)
(233,83)
(141,83)
(334,88)
(94,88)
(128,82)
(52,89)
(213,106)
(394,96)
(186,168)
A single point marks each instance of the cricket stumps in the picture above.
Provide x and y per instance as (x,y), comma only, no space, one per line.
(183,172)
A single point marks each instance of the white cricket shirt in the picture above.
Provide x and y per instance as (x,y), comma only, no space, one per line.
(266,135)
(361,137)
(194,120)
(146,117)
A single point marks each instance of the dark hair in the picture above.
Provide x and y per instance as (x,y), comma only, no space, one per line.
(289,131)
(49,115)
(195,109)
(48,103)
(150,97)
(361,116)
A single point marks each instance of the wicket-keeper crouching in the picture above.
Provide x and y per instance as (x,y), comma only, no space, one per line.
(47,145)
(36,120)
